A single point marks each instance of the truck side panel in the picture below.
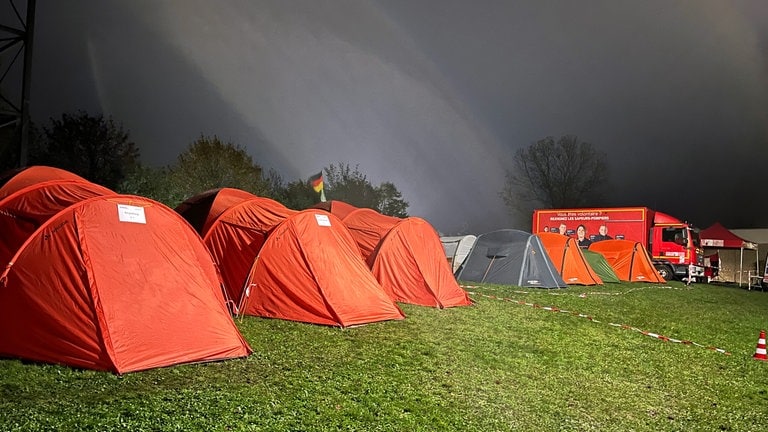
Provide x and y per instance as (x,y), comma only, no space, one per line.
(630,223)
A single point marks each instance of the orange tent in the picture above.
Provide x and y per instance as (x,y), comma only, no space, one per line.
(202,209)
(118,283)
(25,209)
(405,255)
(306,257)
(309,270)
(236,236)
(409,262)
(369,227)
(340,209)
(629,259)
(567,257)
(20,178)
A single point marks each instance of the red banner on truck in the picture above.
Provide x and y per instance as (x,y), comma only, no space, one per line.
(618,223)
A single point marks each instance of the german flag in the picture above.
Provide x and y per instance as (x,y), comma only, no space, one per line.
(316,181)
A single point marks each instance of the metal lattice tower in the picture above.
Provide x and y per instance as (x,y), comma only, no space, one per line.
(16,34)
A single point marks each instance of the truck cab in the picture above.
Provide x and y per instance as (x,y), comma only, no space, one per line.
(676,248)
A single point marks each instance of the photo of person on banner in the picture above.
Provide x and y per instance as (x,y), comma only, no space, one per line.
(581,235)
(602,233)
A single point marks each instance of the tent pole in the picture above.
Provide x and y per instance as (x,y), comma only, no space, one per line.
(488,268)
(741,264)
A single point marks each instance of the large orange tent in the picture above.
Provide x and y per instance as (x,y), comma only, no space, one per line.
(284,255)
(24,210)
(568,259)
(309,270)
(117,283)
(629,259)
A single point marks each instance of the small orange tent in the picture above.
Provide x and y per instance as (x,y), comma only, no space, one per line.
(202,209)
(309,270)
(409,263)
(629,259)
(117,283)
(406,256)
(340,209)
(568,259)
(24,210)
(369,227)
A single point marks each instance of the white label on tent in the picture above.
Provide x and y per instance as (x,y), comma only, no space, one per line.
(132,214)
(323,220)
(712,242)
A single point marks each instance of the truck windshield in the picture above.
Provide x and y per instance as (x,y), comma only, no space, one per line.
(674,235)
(696,238)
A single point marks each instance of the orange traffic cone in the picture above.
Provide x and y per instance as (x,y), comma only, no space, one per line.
(760,351)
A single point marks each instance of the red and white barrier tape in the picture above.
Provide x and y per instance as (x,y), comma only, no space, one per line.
(584,294)
(590,318)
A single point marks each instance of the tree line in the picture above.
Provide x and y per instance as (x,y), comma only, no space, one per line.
(563,172)
(98,149)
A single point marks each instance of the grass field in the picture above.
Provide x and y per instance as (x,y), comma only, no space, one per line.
(510,362)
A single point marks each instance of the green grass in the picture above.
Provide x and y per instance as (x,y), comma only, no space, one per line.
(496,366)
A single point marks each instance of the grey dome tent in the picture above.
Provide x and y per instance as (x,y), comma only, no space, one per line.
(510,257)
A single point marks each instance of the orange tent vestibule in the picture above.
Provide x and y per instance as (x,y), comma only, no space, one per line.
(629,259)
(568,259)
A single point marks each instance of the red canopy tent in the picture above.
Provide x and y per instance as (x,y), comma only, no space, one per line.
(719,237)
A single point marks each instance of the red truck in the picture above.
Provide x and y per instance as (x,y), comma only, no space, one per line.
(674,245)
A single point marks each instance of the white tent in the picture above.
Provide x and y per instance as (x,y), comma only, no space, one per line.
(457,248)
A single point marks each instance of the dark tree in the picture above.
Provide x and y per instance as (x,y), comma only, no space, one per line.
(391,201)
(209,163)
(92,147)
(556,174)
(151,183)
(297,195)
(352,186)
(343,183)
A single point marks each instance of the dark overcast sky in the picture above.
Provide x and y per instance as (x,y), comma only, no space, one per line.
(436,95)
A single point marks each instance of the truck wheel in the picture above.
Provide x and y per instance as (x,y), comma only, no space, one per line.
(666,272)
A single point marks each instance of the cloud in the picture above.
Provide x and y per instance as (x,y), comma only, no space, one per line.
(433,96)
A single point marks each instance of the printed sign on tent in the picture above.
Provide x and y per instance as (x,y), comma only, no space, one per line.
(132,214)
(323,220)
